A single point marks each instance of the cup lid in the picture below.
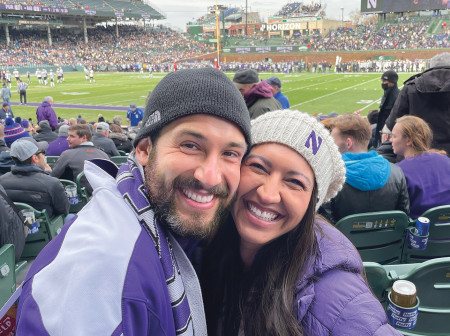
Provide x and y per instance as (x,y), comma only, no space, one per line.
(404,287)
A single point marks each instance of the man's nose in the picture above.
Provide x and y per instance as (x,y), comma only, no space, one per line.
(209,172)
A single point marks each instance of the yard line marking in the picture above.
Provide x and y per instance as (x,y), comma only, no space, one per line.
(332,93)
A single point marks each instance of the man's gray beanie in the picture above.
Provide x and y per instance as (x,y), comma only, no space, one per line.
(194,91)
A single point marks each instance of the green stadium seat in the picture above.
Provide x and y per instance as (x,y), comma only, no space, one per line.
(432,280)
(81,199)
(439,239)
(378,236)
(82,190)
(122,152)
(7,273)
(48,229)
(119,160)
(51,160)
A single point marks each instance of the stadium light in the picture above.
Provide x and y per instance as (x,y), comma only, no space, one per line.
(342,9)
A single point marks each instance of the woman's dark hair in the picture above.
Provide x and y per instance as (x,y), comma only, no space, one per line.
(262,299)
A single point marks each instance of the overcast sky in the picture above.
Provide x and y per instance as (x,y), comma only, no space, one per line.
(179,12)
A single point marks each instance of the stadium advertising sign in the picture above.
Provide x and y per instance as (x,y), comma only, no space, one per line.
(90,12)
(281,26)
(264,50)
(388,6)
(33,8)
(145,16)
(119,14)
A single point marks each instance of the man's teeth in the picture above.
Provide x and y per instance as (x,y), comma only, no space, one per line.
(198,198)
(264,215)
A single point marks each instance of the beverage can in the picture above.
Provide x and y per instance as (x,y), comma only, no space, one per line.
(422,226)
(404,294)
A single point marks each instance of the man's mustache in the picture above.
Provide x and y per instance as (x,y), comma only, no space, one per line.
(181,182)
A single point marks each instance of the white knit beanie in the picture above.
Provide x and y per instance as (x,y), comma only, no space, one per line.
(311,139)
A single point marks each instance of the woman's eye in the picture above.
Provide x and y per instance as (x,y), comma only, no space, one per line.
(257,165)
(297,183)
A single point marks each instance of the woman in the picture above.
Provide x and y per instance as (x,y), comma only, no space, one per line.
(427,171)
(275,268)
(120,140)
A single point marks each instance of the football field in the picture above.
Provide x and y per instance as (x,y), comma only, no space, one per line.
(112,93)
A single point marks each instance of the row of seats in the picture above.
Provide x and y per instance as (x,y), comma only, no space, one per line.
(381,236)
(432,281)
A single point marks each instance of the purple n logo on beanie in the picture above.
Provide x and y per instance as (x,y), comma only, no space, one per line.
(315,142)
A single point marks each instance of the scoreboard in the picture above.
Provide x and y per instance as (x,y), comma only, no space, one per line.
(396,6)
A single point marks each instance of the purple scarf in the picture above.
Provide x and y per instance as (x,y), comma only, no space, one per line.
(130,184)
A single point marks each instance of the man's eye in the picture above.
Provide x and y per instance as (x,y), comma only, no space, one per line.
(190,146)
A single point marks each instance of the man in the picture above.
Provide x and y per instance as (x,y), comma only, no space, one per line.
(427,96)
(45,133)
(45,111)
(3,146)
(258,95)
(101,140)
(39,76)
(372,183)
(71,162)
(60,144)
(44,76)
(385,149)
(389,81)
(4,112)
(52,78)
(135,278)
(275,83)
(134,115)
(29,183)
(22,91)
(5,93)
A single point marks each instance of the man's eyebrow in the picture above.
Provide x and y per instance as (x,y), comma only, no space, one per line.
(200,136)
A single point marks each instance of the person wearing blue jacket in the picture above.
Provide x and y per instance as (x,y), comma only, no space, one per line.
(275,83)
(134,115)
(372,182)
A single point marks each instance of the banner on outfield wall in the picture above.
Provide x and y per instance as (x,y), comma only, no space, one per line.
(34,8)
(264,50)
(399,6)
(119,14)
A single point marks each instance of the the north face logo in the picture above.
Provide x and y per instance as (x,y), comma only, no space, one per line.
(153,118)
(315,142)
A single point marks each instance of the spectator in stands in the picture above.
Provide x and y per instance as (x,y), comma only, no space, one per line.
(5,94)
(389,81)
(71,162)
(372,183)
(12,228)
(258,95)
(72,121)
(27,126)
(120,139)
(275,268)
(427,171)
(45,133)
(117,120)
(29,183)
(427,96)
(275,83)
(60,144)
(372,117)
(4,112)
(45,111)
(101,140)
(385,149)
(184,174)
(3,146)
(13,131)
(134,115)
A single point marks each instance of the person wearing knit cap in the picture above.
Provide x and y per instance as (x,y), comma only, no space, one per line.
(60,144)
(389,81)
(275,268)
(146,219)
(13,131)
(258,95)
(45,132)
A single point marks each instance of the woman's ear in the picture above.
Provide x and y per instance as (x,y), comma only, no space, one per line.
(143,149)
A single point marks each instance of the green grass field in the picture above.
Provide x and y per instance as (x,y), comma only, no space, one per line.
(312,93)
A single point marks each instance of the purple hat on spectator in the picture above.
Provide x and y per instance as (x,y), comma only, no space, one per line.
(25,124)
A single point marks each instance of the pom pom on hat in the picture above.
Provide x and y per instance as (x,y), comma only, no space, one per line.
(9,121)
(304,134)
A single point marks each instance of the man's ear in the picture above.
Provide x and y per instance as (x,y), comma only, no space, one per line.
(143,149)
(349,142)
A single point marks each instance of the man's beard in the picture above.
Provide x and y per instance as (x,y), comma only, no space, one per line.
(162,201)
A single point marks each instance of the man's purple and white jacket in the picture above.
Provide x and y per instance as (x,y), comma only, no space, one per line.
(103,276)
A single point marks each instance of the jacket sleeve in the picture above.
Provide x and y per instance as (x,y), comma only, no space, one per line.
(403,197)
(59,167)
(60,202)
(114,150)
(400,108)
(53,120)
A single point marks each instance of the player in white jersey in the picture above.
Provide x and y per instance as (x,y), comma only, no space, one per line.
(62,74)
(8,78)
(91,76)
(44,76)
(58,75)
(16,75)
(86,73)
(52,78)
(39,76)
